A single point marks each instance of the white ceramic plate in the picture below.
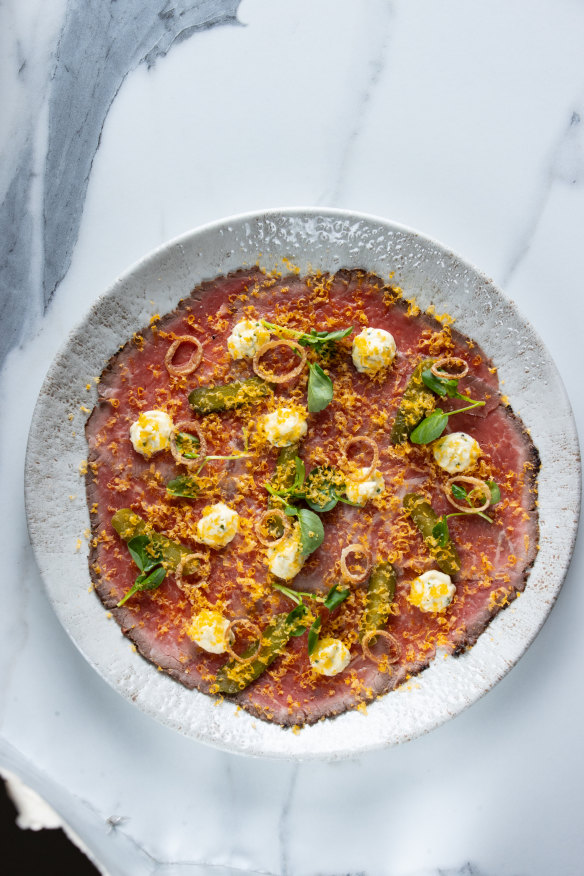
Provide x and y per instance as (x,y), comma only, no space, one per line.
(328,240)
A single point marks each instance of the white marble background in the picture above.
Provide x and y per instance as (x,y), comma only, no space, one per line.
(126,123)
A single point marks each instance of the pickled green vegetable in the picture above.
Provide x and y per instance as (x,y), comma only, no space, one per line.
(380,594)
(226,396)
(235,676)
(425,518)
(417,402)
(128,525)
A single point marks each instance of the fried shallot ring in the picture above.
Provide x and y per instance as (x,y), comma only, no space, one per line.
(179,572)
(254,629)
(190,428)
(355,549)
(193,362)
(279,378)
(272,512)
(477,484)
(455,362)
(373,634)
(364,439)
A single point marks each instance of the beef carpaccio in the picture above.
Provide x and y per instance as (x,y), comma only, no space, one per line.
(329,606)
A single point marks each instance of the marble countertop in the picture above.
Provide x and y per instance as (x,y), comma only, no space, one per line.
(126,124)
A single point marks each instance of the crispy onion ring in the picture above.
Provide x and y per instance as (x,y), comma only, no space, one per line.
(254,629)
(279,378)
(193,362)
(179,572)
(272,512)
(355,549)
(190,428)
(437,368)
(373,634)
(364,439)
(477,484)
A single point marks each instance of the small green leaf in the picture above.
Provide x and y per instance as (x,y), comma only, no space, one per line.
(311,531)
(495,492)
(459,492)
(430,428)
(184,486)
(440,532)
(143,552)
(291,511)
(296,614)
(153,580)
(320,389)
(145,582)
(325,483)
(313,635)
(335,596)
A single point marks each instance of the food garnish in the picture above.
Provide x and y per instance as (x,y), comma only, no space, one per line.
(358,550)
(380,594)
(184,439)
(192,364)
(426,519)
(384,658)
(148,558)
(264,374)
(227,396)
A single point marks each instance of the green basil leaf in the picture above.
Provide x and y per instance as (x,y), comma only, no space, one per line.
(430,428)
(441,385)
(334,597)
(311,531)
(143,552)
(323,488)
(290,511)
(495,492)
(313,635)
(459,492)
(441,533)
(295,615)
(153,580)
(320,389)
(185,486)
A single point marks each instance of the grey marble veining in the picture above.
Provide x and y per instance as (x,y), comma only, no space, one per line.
(100,43)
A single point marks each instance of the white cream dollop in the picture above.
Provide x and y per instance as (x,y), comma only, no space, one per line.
(218,525)
(373,349)
(361,491)
(150,433)
(330,657)
(284,427)
(246,338)
(285,559)
(209,629)
(432,591)
(456,452)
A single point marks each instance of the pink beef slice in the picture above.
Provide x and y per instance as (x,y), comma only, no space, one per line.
(496,557)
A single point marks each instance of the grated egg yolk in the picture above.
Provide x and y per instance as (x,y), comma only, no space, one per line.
(209,629)
(246,338)
(284,427)
(150,433)
(218,525)
(432,592)
(456,452)
(373,349)
(330,657)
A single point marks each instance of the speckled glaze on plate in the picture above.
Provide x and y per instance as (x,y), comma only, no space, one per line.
(312,239)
